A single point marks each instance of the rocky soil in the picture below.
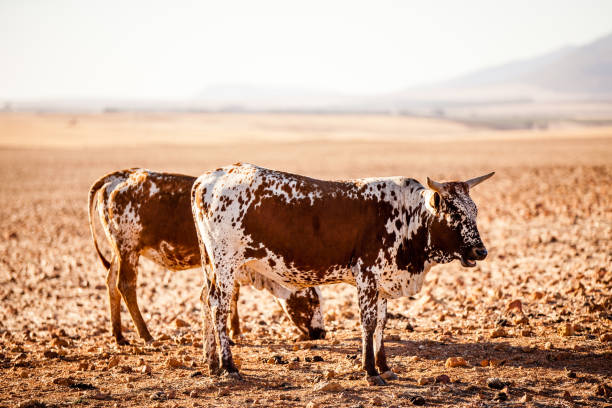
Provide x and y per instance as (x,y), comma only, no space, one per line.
(530,326)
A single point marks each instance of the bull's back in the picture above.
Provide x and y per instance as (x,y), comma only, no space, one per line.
(160,213)
(313,225)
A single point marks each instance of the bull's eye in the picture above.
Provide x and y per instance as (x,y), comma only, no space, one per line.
(436,201)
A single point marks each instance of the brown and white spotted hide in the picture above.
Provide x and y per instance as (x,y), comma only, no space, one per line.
(380,234)
(144,213)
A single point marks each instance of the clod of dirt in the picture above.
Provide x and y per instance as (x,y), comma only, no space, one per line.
(496,383)
(173,363)
(178,323)
(442,379)
(328,386)
(566,329)
(452,362)
(499,332)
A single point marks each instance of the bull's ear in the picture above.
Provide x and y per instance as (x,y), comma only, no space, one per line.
(435,201)
(475,181)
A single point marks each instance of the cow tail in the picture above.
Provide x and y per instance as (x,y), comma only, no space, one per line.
(93,191)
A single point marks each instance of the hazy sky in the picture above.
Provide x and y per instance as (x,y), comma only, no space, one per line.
(174,49)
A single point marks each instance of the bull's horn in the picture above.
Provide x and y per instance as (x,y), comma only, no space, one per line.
(475,181)
(435,186)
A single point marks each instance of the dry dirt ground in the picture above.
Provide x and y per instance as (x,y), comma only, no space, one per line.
(532,322)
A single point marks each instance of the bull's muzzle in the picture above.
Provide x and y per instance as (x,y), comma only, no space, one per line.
(478,253)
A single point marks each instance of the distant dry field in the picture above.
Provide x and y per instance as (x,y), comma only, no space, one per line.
(546,218)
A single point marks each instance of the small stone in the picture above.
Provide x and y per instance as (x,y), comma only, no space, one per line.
(173,363)
(114,361)
(452,362)
(605,337)
(159,396)
(521,320)
(83,366)
(101,396)
(329,374)
(376,401)
(566,329)
(317,359)
(548,345)
(50,354)
(125,369)
(537,295)
(442,379)
(500,396)
(293,365)
(525,398)
(63,381)
(417,400)
(425,380)
(567,396)
(484,363)
(313,404)
(32,404)
(499,332)
(495,383)
(146,369)
(178,323)
(328,386)
(515,305)
(603,390)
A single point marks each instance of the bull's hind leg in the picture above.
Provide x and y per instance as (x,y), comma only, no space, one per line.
(208,331)
(127,287)
(220,296)
(234,317)
(114,299)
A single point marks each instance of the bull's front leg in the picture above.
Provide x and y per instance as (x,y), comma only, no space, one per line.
(208,332)
(367,292)
(379,345)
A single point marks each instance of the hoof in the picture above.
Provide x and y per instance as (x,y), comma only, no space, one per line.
(232,375)
(122,341)
(389,375)
(376,380)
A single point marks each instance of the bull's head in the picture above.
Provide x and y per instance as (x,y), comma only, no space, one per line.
(453,231)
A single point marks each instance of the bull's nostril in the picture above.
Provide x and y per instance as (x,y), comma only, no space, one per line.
(481,253)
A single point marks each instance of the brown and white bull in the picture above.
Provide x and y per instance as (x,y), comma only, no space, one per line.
(380,234)
(149,214)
